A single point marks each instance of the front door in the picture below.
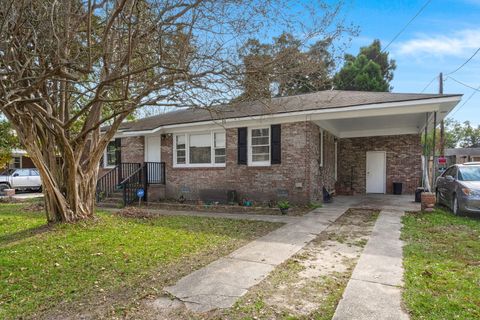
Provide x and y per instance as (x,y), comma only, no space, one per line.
(152,150)
(376,172)
(153,154)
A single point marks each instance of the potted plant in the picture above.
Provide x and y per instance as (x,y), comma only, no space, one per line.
(284,206)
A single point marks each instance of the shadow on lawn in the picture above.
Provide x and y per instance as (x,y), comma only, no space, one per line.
(24,234)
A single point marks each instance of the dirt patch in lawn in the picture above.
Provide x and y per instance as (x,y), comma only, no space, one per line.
(308,285)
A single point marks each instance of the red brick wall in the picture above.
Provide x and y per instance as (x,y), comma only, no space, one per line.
(320,175)
(133,149)
(257,183)
(27,162)
(404,162)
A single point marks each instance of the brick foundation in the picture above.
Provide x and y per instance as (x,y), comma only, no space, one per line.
(404,164)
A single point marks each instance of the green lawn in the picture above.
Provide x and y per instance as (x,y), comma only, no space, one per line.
(41,266)
(442,266)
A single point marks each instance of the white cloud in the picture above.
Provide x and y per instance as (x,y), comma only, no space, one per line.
(459,44)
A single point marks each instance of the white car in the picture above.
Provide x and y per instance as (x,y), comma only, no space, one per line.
(20,179)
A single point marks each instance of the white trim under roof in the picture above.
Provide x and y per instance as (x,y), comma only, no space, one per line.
(19,152)
(442,105)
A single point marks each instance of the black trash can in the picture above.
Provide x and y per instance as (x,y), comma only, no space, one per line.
(418,194)
(232,196)
(397,187)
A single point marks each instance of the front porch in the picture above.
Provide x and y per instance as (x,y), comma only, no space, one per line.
(123,183)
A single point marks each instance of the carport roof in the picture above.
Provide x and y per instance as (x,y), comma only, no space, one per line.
(330,99)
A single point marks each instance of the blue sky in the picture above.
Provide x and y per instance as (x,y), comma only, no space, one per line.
(439,40)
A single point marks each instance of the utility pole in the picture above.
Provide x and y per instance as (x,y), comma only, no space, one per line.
(442,125)
(434,164)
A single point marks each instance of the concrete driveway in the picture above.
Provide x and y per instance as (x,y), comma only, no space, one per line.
(221,283)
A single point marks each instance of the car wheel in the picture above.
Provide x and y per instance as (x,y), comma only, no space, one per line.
(3,187)
(455,208)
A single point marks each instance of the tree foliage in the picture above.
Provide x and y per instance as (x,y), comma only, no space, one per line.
(289,65)
(370,70)
(69,67)
(457,135)
(8,141)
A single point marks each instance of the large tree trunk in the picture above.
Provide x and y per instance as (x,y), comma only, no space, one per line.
(71,199)
(69,172)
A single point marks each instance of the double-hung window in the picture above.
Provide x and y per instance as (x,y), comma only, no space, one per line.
(181,151)
(17,162)
(202,149)
(110,155)
(219,147)
(259,151)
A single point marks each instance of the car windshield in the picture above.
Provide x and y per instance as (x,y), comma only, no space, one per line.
(7,172)
(469,173)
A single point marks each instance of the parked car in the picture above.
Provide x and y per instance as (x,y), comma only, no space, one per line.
(20,179)
(459,188)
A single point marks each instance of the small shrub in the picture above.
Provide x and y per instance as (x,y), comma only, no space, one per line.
(283,204)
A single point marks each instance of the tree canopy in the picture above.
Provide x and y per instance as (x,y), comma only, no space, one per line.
(370,70)
(457,135)
(287,66)
(69,68)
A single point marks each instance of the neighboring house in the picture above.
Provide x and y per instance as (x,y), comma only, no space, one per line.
(462,155)
(291,147)
(20,159)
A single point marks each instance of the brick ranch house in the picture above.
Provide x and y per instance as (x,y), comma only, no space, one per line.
(291,147)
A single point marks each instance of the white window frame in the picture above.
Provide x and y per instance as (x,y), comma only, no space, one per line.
(321,147)
(252,163)
(105,163)
(187,163)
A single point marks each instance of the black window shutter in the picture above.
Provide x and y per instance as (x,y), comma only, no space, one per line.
(118,151)
(242,145)
(276,144)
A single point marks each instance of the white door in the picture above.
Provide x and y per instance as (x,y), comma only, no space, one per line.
(153,154)
(152,150)
(376,172)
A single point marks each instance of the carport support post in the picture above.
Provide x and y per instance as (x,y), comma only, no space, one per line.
(434,169)
(426,153)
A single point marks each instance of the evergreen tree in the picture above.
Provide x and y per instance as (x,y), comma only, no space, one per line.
(370,70)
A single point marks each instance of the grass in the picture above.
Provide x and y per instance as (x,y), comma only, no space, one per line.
(442,266)
(42,266)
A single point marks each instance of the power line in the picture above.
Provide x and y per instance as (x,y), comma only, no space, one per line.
(396,36)
(463,64)
(464,84)
(428,85)
(468,99)
(408,23)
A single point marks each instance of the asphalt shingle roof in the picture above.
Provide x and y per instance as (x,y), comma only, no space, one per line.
(312,101)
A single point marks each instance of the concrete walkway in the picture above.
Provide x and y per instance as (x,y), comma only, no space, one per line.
(375,288)
(221,283)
